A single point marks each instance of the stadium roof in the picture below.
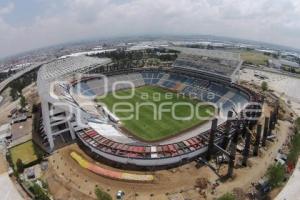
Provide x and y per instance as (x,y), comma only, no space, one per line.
(62,69)
(220,64)
(68,65)
(289,63)
(224,55)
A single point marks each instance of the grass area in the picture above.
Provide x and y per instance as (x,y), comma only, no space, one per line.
(295,145)
(254,58)
(102,195)
(27,152)
(144,124)
(227,196)
(276,174)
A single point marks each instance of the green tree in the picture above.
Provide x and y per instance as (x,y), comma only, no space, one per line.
(20,166)
(38,151)
(227,196)
(264,86)
(293,70)
(22,101)
(297,123)
(13,94)
(39,193)
(101,195)
(295,148)
(276,174)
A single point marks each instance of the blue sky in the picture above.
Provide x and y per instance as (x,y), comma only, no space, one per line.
(24,12)
(30,24)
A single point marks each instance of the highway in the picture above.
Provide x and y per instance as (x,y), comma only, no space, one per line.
(17,75)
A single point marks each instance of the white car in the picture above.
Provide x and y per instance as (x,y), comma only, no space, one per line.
(120,195)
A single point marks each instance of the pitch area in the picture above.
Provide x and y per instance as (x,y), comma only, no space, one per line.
(154,113)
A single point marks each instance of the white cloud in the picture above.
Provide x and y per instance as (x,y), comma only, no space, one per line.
(266,20)
(7,8)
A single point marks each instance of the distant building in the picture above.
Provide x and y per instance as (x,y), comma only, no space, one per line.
(274,63)
(289,63)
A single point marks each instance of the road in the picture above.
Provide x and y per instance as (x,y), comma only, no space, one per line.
(4,83)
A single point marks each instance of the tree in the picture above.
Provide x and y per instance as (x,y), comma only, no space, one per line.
(227,196)
(295,148)
(210,47)
(20,166)
(276,174)
(101,195)
(264,86)
(22,101)
(14,94)
(38,192)
(294,152)
(297,123)
(38,151)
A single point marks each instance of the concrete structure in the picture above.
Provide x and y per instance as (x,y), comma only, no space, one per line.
(58,122)
(68,110)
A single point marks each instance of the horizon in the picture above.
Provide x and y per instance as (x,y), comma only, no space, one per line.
(155,36)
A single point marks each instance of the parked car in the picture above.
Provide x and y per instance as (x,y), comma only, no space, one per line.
(120,195)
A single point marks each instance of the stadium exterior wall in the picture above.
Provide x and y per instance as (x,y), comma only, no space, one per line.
(143,162)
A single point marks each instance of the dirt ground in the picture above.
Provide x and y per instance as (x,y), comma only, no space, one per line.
(3,164)
(166,182)
(284,86)
(67,180)
(22,129)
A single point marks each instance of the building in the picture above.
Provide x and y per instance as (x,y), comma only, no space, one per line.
(58,123)
(289,63)
(66,116)
(274,63)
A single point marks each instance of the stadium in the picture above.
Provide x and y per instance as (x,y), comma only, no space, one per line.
(78,95)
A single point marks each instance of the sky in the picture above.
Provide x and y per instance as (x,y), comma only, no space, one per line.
(30,24)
